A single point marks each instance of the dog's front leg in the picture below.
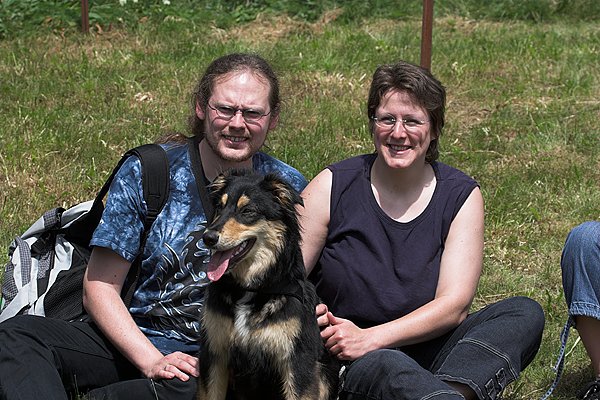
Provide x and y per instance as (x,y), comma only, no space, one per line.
(201,393)
(215,384)
(218,381)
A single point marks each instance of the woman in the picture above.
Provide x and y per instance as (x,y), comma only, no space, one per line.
(394,243)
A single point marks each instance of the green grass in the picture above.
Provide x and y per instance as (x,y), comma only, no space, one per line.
(522,116)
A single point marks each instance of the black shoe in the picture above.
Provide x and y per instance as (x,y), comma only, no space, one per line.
(591,391)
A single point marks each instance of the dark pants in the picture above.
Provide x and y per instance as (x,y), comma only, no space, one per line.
(486,352)
(44,358)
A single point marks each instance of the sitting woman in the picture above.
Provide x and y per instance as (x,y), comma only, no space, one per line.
(394,243)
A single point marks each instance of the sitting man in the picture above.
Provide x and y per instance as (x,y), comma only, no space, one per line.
(148,350)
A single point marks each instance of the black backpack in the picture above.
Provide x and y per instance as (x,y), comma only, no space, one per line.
(44,275)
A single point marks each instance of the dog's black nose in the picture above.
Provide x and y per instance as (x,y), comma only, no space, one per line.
(210,237)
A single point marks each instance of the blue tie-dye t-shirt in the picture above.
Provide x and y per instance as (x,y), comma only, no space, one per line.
(168,299)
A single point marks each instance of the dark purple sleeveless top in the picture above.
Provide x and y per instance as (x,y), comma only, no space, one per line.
(373,269)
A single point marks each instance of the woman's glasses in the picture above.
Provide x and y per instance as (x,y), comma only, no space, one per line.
(388,123)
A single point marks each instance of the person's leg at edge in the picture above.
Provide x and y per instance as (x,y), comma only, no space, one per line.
(491,348)
(580,264)
(47,358)
(392,375)
(589,332)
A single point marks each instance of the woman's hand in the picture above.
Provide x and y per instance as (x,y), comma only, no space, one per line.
(342,338)
(175,365)
(322,316)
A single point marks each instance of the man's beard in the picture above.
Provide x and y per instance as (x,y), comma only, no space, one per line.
(235,157)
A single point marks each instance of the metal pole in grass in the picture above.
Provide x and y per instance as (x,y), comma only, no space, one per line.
(85,16)
(426,29)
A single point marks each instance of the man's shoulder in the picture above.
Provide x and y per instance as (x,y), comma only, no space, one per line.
(176,152)
(266,164)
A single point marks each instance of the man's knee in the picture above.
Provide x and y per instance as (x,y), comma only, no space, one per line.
(17,329)
(178,389)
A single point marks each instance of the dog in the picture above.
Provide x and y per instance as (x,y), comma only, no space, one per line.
(259,336)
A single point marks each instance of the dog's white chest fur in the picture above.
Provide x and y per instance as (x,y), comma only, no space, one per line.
(250,331)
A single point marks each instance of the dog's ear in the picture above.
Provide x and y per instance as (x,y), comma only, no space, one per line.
(224,178)
(287,195)
(218,184)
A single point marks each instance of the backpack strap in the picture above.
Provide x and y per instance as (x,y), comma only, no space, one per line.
(155,185)
(201,180)
(155,180)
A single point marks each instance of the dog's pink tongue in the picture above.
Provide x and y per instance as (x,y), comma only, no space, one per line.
(218,263)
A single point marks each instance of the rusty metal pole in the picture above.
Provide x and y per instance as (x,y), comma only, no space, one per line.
(426,34)
(85,16)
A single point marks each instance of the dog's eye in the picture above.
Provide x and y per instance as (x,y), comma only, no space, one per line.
(247,212)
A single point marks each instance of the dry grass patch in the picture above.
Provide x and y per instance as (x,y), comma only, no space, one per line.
(320,85)
(269,28)
(382,29)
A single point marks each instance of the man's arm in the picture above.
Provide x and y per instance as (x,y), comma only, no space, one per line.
(102,286)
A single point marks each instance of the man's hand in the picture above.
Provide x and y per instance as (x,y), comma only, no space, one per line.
(175,365)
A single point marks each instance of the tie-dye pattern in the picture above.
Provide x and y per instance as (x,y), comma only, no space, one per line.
(168,300)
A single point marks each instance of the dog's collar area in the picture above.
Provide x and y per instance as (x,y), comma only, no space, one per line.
(291,289)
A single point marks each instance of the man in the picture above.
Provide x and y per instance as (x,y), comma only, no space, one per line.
(148,351)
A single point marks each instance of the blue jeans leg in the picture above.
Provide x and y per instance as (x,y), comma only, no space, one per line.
(391,374)
(580,264)
(486,352)
(492,346)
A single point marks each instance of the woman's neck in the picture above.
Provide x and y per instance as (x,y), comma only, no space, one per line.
(401,179)
(402,193)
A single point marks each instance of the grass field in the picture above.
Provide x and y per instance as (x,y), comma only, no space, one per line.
(522,114)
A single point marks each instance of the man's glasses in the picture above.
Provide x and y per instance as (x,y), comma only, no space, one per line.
(388,123)
(228,113)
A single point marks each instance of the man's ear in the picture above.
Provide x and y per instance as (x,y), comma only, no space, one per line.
(274,121)
(199,111)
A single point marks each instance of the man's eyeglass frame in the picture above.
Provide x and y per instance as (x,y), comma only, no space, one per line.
(227,113)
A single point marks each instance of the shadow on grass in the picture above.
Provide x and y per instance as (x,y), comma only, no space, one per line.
(574,378)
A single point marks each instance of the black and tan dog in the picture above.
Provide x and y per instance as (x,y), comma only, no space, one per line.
(260,335)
